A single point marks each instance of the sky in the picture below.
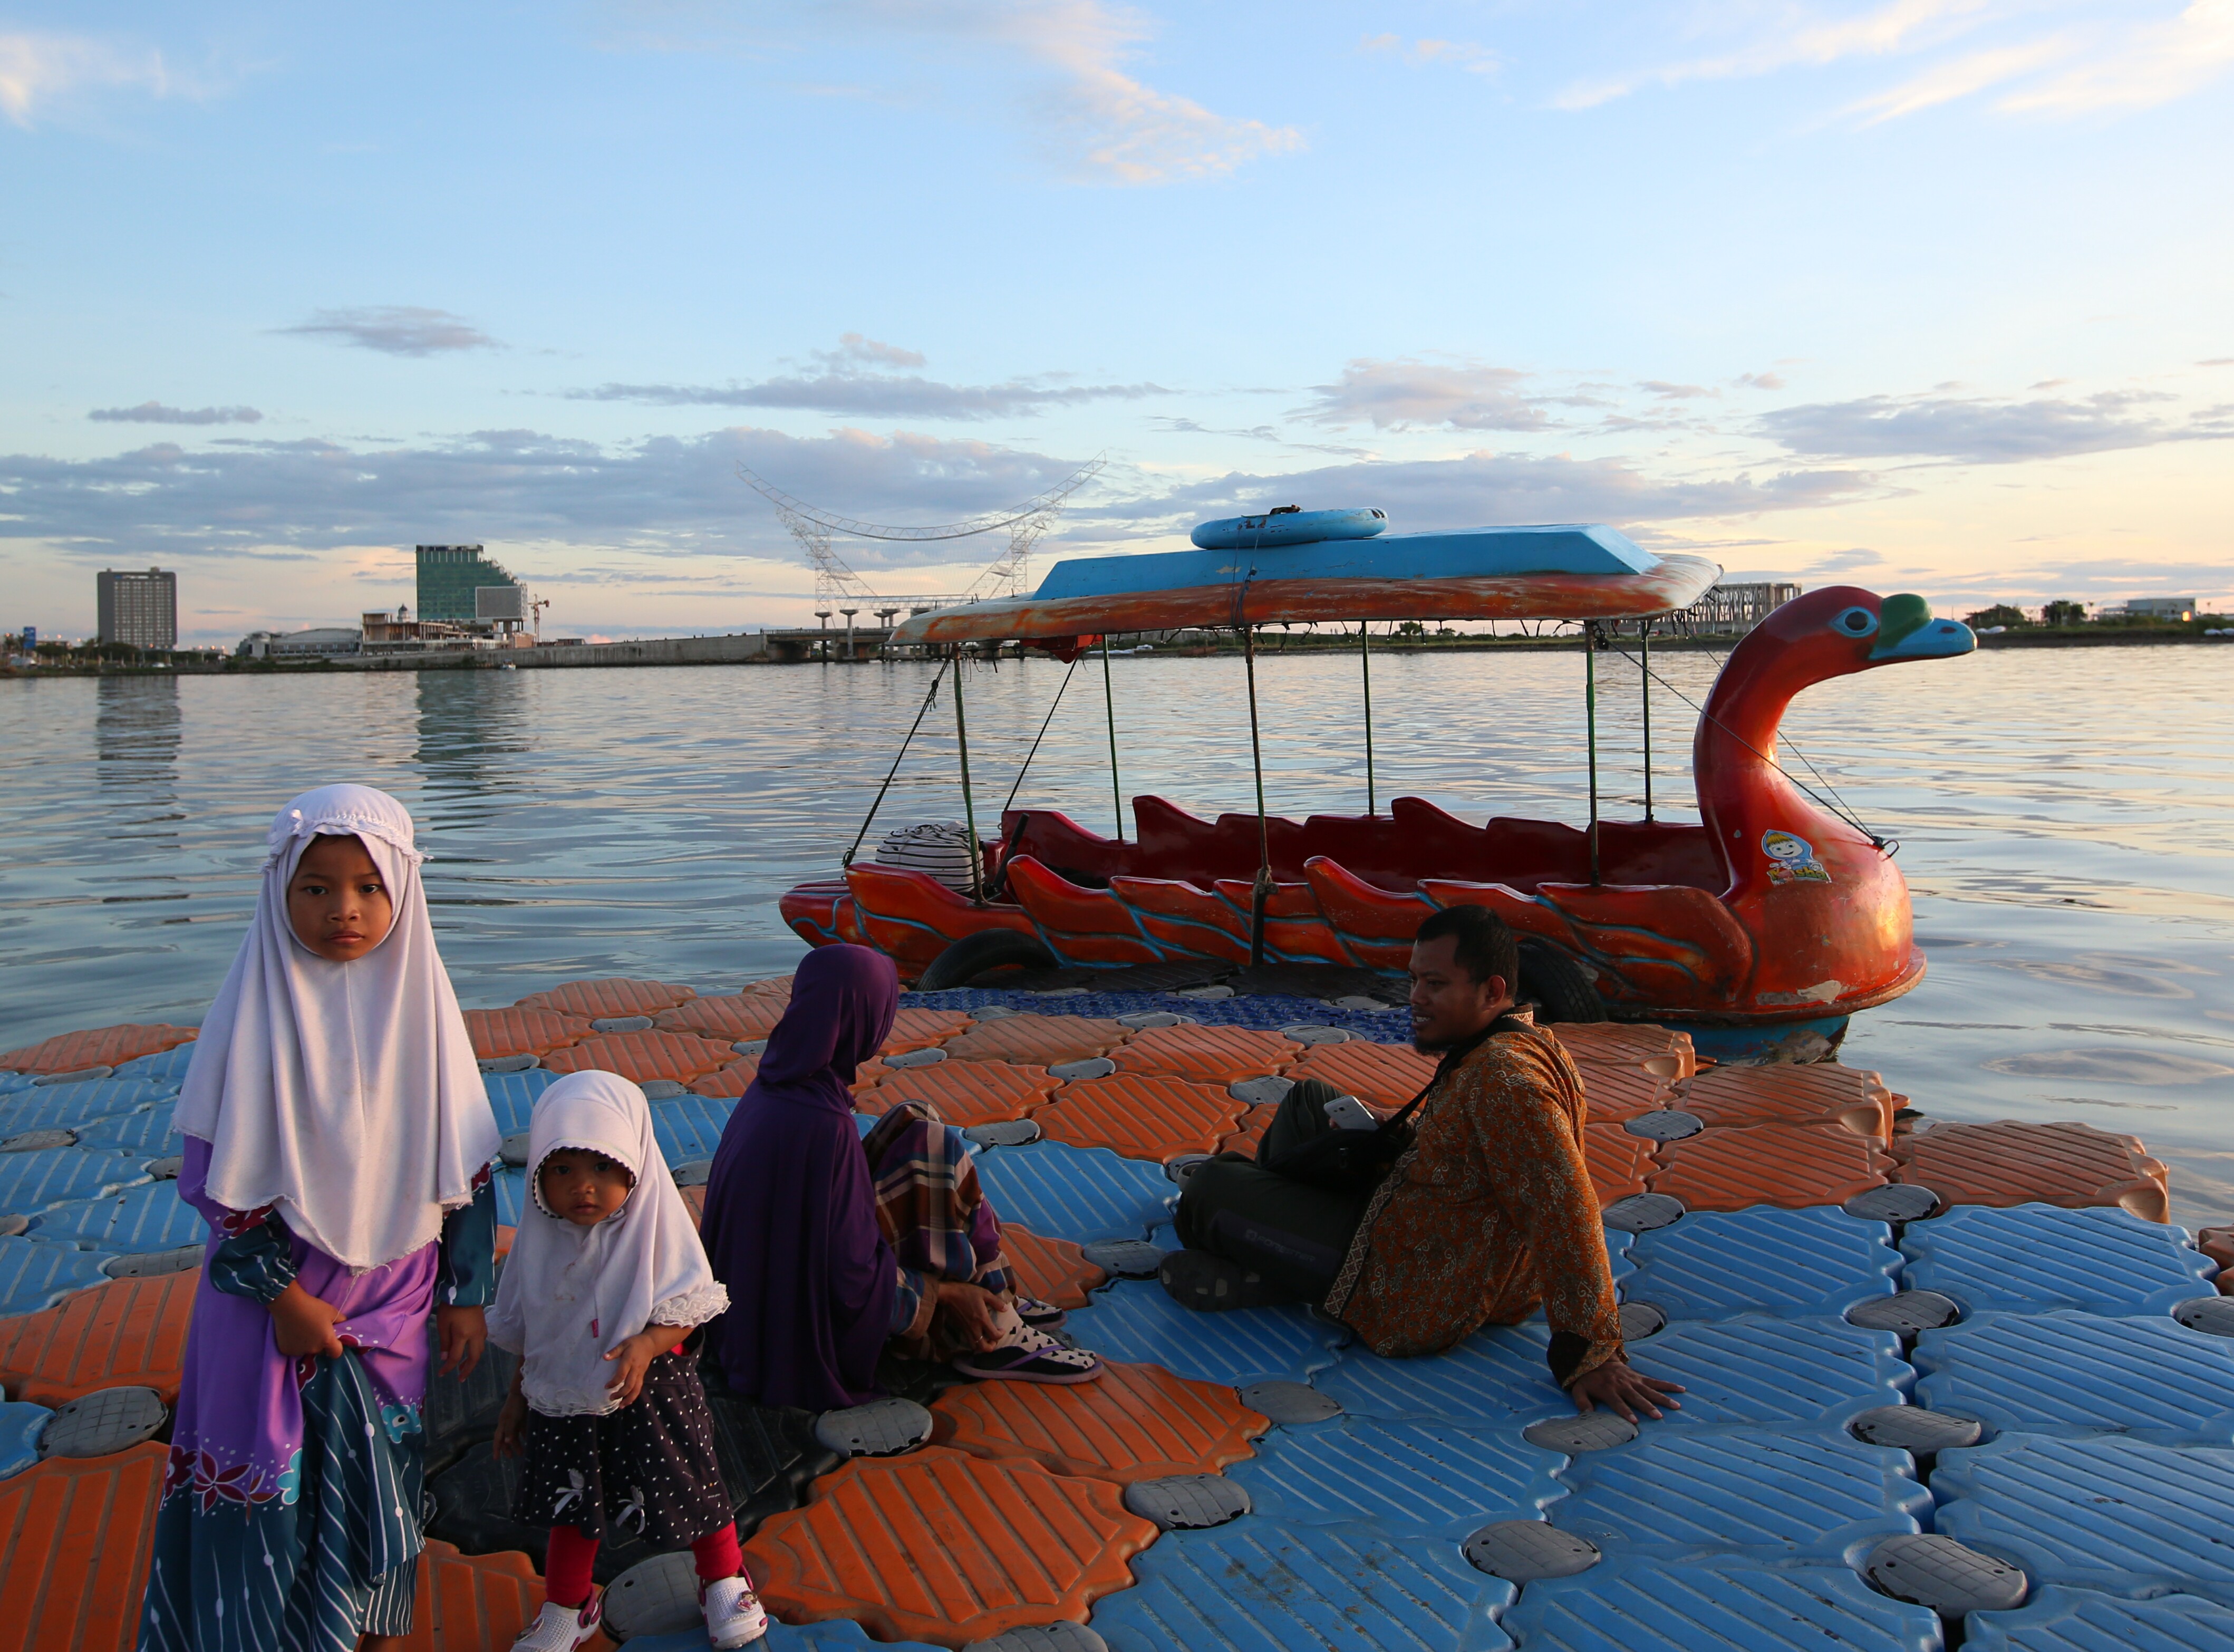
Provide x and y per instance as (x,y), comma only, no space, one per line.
(1926,295)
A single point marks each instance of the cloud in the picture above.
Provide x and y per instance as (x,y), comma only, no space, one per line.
(1974,430)
(1663,388)
(1454,54)
(1394,394)
(156,413)
(2156,63)
(1758,381)
(1844,561)
(1962,77)
(38,68)
(395,329)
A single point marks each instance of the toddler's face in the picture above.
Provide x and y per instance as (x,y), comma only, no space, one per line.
(337,903)
(584,1187)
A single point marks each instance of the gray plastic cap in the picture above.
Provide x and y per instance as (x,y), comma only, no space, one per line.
(1087,1066)
(1525,1552)
(1314,1033)
(511,1063)
(1640,1320)
(1641,1212)
(697,1174)
(750,1047)
(1950,1578)
(1216,990)
(662,1089)
(2211,1314)
(168,1168)
(1257,1092)
(1290,1403)
(1667,1124)
(931,1057)
(620,1023)
(1599,1430)
(103,1422)
(1913,1428)
(1006,1132)
(149,1265)
(881,1428)
(1126,1258)
(1062,1635)
(31,1141)
(83,1075)
(1180,1166)
(1895,1202)
(654,1596)
(1140,1018)
(1188,1502)
(1905,1311)
(10,1226)
(513,1149)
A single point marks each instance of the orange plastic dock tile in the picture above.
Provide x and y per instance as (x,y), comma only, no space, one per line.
(613,995)
(915,1029)
(729,1019)
(1788,1165)
(1139,1422)
(642,1056)
(1613,1093)
(128,1333)
(1141,1115)
(1815,1092)
(1390,1074)
(103,1047)
(2071,1165)
(1620,1162)
(1037,1040)
(729,1082)
(1054,1270)
(522,1032)
(1621,1043)
(866,1078)
(1250,1131)
(942,1546)
(76,1532)
(966,1093)
(1207,1055)
(469,1602)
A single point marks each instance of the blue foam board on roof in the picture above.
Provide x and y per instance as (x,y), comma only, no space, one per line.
(1261,1585)
(1135,1320)
(2074,1373)
(1437,1479)
(65,1107)
(2057,1619)
(149,1217)
(168,1067)
(689,1126)
(1716,1264)
(1758,1370)
(2110,1512)
(20,1424)
(1633,1603)
(1776,1494)
(34,1276)
(1076,1193)
(2031,1258)
(512,1096)
(1499,1373)
(38,1181)
(144,1134)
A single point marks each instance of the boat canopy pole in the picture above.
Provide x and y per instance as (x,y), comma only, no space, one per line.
(895,768)
(968,809)
(1645,682)
(1365,669)
(1109,707)
(1262,892)
(1590,722)
(1035,751)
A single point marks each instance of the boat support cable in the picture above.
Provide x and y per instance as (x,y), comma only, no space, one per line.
(1365,671)
(1262,892)
(968,808)
(1644,686)
(879,802)
(1844,810)
(1035,751)
(1109,709)
(1590,728)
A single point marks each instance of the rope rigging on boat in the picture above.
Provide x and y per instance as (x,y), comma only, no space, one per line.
(921,711)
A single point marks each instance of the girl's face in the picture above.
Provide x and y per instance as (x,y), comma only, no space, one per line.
(584,1187)
(337,903)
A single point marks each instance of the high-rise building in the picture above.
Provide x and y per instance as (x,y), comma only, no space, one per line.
(449,576)
(138,609)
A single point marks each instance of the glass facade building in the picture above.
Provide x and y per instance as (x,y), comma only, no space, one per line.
(138,609)
(448,575)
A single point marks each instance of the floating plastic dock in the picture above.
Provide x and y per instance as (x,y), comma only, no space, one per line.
(1941,1378)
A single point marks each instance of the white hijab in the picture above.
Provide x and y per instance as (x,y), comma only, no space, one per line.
(346,1093)
(570,1295)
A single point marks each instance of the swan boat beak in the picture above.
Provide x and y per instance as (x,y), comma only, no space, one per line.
(1908,632)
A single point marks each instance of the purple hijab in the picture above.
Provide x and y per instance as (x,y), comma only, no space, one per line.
(791,1211)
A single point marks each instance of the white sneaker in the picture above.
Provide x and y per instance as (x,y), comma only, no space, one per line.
(562,1629)
(733,1614)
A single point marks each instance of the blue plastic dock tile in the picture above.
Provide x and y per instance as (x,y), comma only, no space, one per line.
(2073,1374)
(1801,1494)
(34,1276)
(66,1107)
(1629,1603)
(1498,1373)
(1076,1193)
(689,1126)
(863,1123)
(33,1182)
(151,1216)
(11,1081)
(143,1135)
(1262,1585)
(168,1068)
(510,1195)
(1755,1369)
(20,1426)
(1716,1264)
(840,1635)
(1435,1479)
(2074,1620)
(2110,1512)
(1134,1320)
(1266,1013)
(512,1096)
(2034,1258)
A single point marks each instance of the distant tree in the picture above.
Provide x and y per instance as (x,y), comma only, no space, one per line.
(2063,613)
(1411,628)
(1998,614)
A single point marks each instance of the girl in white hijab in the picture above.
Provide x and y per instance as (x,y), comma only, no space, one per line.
(338,1140)
(605,1279)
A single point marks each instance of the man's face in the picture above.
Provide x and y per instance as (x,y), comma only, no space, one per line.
(1449,1005)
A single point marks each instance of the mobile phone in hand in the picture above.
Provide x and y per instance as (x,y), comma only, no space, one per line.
(1347,1113)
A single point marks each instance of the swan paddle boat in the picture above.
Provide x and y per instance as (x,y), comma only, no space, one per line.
(1772,912)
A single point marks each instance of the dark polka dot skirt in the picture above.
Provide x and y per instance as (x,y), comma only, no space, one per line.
(647,1470)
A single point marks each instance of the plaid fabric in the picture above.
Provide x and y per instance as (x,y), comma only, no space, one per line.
(929,1205)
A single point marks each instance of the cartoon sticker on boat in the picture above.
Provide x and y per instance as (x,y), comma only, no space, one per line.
(1790,858)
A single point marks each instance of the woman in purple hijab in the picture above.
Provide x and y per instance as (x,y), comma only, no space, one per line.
(831,1247)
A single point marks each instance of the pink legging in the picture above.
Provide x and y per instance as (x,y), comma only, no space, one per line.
(567,1579)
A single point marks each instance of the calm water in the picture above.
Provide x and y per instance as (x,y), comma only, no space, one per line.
(2062,817)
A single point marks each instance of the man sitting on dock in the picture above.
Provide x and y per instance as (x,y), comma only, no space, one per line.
(1486,1212)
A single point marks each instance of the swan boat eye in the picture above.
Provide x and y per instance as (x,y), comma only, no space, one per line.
(1856,622)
